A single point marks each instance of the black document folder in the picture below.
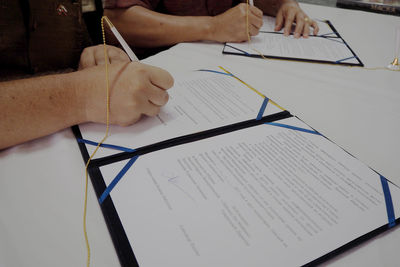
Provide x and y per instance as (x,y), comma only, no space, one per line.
(325,47)
(268,189)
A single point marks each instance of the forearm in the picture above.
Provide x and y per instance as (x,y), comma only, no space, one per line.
(271,7)
(145,28)
(32,108)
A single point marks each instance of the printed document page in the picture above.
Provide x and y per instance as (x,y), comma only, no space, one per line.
(269,26)
(197,102)
(325,46)
(264,195)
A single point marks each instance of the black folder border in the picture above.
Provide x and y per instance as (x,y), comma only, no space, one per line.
(359,240)
(189,138)
(121,243)
(118,236)
(360,64)
(352,244)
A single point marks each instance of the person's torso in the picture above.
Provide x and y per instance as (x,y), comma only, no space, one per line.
(40,35)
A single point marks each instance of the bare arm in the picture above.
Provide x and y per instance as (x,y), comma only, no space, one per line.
(145,28)
(31,108)
(269,7)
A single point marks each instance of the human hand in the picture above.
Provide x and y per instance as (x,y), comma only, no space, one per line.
(230,26)
(135,89)
(289,13)
(94,55)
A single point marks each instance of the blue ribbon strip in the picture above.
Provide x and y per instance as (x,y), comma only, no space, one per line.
(293,128)
(219,72)
(389,202)
(120,148)
(120,174)
(240,50)
(327,35)
(117,179)
(344,59)
(385,185)
(262,109)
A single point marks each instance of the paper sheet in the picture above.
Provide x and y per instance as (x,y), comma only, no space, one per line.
(247,198)
(269,26)
(198,101)
(325,46)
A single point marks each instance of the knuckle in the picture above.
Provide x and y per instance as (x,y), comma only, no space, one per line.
(140,69)
(142,89)
(86,50)
(123,56)
(112,52)
(83,57)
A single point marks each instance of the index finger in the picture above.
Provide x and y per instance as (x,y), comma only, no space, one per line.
(87,58)
(279,21)
(256,21)
(288,23)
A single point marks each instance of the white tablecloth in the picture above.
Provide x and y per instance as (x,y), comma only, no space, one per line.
(42,182)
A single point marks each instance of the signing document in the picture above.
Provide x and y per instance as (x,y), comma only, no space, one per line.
(199,101)
(325,47)
(276,194)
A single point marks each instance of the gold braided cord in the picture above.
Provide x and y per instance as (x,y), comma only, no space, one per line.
(251,87)
(248,32)
(99,144)
(108,116)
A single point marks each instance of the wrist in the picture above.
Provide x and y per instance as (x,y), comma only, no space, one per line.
(271,7)
(289,2)
(210,27)
(78,85)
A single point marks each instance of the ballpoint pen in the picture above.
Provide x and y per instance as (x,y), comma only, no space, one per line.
(121,40)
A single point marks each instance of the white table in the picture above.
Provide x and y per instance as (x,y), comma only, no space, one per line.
(42,182)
